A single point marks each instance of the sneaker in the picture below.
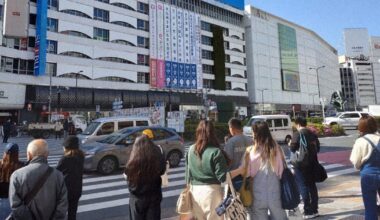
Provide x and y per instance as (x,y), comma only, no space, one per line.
(308,216)
(316,215)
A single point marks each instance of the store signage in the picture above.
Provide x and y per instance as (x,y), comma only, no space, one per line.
(16,15)
(41,41)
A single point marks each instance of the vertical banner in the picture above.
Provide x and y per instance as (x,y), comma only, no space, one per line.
(41,41)
(160,46)
(174,47)
(153,43)
(167,44)
(181,65)
(186,52)
(198,52)
(193,58)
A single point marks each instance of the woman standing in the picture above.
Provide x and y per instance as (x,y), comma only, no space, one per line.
(8,165)
(266,166)
(144,169)
(365,156)
(207,166)
(71,166)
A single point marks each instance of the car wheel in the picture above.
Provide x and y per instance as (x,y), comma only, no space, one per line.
(287,139)
(174,158)
(107,165)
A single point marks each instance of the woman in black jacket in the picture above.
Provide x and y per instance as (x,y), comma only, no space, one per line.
(144,169)
(71,166)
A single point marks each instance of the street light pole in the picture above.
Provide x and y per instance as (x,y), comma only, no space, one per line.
(262,99)
(319,90)
(50,91)
(76,89)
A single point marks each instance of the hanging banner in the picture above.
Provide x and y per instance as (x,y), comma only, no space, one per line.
(198,52)
(153,43)
(160,46)
(181,65)
(41,41)
(167,45)
(174,47)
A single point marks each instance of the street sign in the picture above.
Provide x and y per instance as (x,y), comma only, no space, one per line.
(97,108)
(176,120)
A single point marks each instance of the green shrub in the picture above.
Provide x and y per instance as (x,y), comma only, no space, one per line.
(337,130)
(316,120)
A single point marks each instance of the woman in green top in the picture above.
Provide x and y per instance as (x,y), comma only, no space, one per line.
(207,166)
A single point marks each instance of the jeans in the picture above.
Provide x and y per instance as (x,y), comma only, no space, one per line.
(370,183)
(309,193)
(5,208)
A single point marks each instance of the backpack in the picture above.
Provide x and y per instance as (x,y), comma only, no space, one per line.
(300,158)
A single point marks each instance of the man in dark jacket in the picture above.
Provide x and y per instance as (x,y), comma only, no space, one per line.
(7,130)
(50,202)
(71,165)
(65,128)
(304,171)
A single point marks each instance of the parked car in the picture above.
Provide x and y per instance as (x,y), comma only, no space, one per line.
(279,125)
(345,119)
(100,128)
(110,153)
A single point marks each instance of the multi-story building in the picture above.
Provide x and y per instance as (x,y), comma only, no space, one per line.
(289,66)
(348,87)
(100,50)
(375,60)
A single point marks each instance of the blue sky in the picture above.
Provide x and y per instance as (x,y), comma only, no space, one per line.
(328,18)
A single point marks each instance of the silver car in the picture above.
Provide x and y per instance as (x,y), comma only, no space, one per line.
(112,152)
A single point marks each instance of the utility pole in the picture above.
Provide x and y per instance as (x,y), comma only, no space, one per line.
(319,89)
(50,91)
(262,99)
(76,89)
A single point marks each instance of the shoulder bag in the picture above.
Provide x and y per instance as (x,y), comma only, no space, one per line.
(231,207)
(301,156)
(164,177)
(245,190)
(185,199)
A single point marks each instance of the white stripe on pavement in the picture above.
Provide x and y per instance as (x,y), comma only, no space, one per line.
(341,172)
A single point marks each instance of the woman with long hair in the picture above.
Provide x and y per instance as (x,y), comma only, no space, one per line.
(71,166)
(145,166)
(365,156)
(8,165)
(206,166)
(266,166)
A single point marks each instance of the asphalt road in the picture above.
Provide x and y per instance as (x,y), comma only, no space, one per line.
(107,197)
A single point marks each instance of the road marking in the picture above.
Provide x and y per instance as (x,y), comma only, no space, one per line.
(341,172)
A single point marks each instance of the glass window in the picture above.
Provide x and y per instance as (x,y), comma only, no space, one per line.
(354,115)
(122,5)
(277,123)
(51,69)
(1,12)
(32,19)
(286,122)
(101,34)
(142,123)
(142,25)
(52,24)
(160,134)
(142,59)
(31,41)
(142,42)
(51,46)
(101,15)
(107,128)
(132,137)
(206,40)
(269,121)
(143,78)
(53,4)
(142,7)
(364,114)
(76,13)
(125,124)
(105,1)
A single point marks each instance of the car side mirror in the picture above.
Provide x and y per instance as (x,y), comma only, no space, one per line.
(129,142)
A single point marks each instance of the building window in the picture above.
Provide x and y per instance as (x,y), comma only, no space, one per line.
(208,84)
(142,59)
(76,34)
(142,7)
(101,34)
(228,72)
(17,66)
(228,85)
(206,40)
(52,24)
(207,69)
(51,69)
(226,45)
(76,13)
(105,1)
(143,78)
(226,32)
(53,4)
(101,15)
(142,42)
(32,19)
(122,23)
(31,41)
(75,54)
(207,55)
(142,25)
(51,46)
(1,12)
(122,5)
(115,60)
(206,26)
(227,58)
(124,42)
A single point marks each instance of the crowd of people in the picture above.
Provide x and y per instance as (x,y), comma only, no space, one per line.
(36,191)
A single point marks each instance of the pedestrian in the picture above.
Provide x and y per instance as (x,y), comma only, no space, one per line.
(206,166)
(65,128)
(71,166)
(235,148)
(265,166)
(365,156)
(7,126)
(143,170)
(38,191)
(304,170)
(8,165)
(57,129)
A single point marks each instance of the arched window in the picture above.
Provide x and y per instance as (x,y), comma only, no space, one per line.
(124,24)
(75,54)
(235,37)
(74,75)
(124,42)
(115,79)
(237,62)
(236,50)
(76,34)
(76,13)
(115,59)
(238,89)
(122,5)
(237,76)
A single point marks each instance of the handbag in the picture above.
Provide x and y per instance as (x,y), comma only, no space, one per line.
(231,207)
(245,191)
(290,195)
(320,173)
(301,156)
(164,177)
(185,199)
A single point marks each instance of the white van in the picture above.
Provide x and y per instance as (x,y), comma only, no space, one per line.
(279,125)
(102,127)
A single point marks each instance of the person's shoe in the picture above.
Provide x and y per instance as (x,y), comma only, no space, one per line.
(310,216)
(316,215)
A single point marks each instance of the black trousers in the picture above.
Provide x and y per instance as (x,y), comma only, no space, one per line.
(73,207)
(6,136)
(146,208)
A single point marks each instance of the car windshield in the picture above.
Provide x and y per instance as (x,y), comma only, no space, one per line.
(254,120)
(112,138)
(91,128)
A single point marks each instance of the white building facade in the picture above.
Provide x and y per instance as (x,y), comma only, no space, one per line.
(282,58)
(99,50)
